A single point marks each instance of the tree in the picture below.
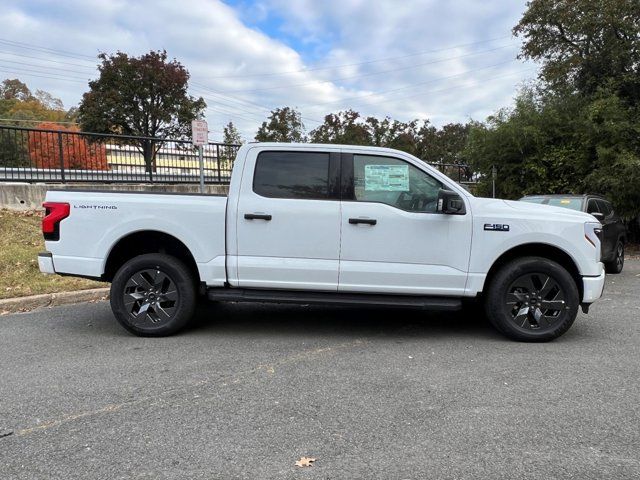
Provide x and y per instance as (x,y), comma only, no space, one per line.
(78,153)
(18,103)
(231,135)
(346,127)
(416,137)
(583,44)
(559,143)
(577,130)
(141,96)
(283,125)
(536,147)
(395,134)
(12,151)
(15,90)
(48,101)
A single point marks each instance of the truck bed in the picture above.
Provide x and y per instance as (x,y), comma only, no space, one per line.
(99,220)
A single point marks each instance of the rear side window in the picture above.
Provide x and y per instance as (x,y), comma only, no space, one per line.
(301,175)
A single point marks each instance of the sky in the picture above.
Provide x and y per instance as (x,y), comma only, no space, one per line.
(445,61)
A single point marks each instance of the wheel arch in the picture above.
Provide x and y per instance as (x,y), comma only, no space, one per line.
(544,250)
(147,241)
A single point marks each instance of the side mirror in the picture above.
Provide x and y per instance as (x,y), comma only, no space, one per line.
(599,216)
(450,203)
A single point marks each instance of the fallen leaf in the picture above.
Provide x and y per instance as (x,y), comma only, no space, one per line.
(305,462)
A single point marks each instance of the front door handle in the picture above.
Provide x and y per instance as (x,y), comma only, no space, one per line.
(366,221)
(257,216)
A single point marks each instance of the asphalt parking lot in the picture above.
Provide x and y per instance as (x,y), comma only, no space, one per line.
(250,389)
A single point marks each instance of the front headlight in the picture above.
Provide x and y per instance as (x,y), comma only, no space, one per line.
(593,234)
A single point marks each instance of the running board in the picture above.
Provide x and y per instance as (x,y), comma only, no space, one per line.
(332,298)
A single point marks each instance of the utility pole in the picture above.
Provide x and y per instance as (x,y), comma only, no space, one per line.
(493,180)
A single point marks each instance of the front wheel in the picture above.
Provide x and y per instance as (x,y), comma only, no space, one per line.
(532,299)
(617,264)
(153,295)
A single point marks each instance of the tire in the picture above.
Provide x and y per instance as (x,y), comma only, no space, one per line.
(617,264)
(153,295)
(518,294)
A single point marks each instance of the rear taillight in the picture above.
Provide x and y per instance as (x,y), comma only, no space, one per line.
(54,213)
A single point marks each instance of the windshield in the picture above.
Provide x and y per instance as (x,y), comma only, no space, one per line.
(566,202)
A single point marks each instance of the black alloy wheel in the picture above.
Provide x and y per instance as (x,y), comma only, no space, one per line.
(535,301)
(532,299)
(153,295)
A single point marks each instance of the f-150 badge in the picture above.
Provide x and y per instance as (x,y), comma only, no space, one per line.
(496,227)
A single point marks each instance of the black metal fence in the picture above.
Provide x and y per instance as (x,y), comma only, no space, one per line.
(37,155)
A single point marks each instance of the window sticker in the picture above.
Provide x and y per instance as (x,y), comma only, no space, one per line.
(386,178)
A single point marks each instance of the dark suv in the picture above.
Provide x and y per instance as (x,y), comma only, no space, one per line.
(614,233)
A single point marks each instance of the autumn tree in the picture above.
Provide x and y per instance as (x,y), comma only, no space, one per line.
(18,104)
(142,96)
(77,152)
(283,125)
(14,89)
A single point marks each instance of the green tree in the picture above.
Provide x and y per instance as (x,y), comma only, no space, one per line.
(346,127)
(539,146)
(394,134)
(577,129)
(283,125)
(583,44)
(559,143)
(12,151)
(231,135)
(142,96)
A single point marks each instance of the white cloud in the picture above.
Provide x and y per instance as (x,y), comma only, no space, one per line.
(225,54)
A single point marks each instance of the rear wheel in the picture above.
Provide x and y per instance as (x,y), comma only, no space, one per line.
(532,299)
(617,264)
(153,295)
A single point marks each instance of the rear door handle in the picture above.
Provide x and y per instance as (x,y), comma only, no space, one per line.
(257,216)
(366,221)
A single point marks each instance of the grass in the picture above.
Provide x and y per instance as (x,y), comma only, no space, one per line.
(20,242)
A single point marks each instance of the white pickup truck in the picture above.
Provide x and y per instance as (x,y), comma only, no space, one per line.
(337,224)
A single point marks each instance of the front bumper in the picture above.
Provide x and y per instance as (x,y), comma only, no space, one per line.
(593,287)
(45,262)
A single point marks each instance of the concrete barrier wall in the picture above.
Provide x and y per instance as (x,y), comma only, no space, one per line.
(29,196)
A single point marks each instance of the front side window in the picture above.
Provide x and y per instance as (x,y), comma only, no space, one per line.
(394,182)
(592,207)
(300,175)
(604,207)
